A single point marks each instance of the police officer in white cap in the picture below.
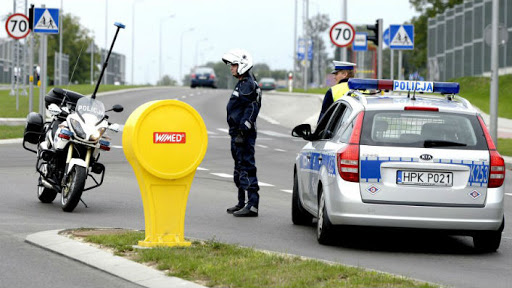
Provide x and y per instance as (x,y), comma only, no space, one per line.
(342,72)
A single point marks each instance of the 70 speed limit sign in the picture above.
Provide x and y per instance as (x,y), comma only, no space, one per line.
(342,34)
(17,26)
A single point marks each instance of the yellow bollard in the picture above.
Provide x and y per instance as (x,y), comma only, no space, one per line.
(164,141)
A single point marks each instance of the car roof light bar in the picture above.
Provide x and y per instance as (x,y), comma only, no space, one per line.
(404,85)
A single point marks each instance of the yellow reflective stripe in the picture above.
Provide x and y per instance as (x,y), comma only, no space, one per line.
(339,90)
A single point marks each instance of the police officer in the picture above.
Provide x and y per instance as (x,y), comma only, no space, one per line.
(242,110)
(342,72)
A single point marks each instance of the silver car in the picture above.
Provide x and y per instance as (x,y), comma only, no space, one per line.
(414,160)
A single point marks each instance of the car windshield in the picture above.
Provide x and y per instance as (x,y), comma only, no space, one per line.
(204,71)
(91,110)
(267,80)
(422,129)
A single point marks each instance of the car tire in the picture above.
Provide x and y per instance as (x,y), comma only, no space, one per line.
(299,215)
(324,227)
(192,87)
(488,241)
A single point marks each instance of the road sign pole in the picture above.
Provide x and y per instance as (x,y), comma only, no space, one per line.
(493,105)
(31,73)
(400,65)
(379,52)
(18,74)
(391,64)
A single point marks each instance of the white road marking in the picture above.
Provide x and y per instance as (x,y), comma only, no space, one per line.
(265,184)
(211,133)
(287,191)
(261,146)
(268,119)
(117,146)
(223,175)
(509,194)
(219,137)
(279,150)
(273,133)
(191,94)
(202,169)
(183,97)
(223,130)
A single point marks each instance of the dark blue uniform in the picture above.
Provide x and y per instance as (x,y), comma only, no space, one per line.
(242,111)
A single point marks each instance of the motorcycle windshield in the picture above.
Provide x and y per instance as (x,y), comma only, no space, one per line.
(90,109)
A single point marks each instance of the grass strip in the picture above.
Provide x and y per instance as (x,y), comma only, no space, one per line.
(8,102)
(10,132)
(215,264)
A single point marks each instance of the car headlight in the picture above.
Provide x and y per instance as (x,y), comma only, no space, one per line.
(77,128)
(97,134)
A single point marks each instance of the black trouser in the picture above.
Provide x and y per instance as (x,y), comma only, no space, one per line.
(244,175)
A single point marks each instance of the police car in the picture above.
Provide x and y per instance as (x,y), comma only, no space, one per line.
(401,154)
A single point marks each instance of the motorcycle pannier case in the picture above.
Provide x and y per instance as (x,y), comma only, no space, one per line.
(56,95)
(34,128)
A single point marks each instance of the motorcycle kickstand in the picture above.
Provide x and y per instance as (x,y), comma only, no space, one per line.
(84,203)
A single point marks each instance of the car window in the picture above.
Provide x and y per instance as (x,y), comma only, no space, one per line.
(322,125)
(343,122)
(422,129)
(334,121)
(204,71)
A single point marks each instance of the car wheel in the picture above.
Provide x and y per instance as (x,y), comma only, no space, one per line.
(299,215)
(324,228)
(488,241)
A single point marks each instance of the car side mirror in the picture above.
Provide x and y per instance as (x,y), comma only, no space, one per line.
(303,131)
(116,108)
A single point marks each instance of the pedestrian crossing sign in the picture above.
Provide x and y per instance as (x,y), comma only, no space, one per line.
(46,20)
(401,37)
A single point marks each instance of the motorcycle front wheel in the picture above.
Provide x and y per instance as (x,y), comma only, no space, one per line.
(72,192)
(44,194)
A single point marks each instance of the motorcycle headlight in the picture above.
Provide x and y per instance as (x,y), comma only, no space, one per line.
(77,128)
(96,135)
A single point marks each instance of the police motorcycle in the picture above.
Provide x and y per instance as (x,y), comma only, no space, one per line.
(69,145)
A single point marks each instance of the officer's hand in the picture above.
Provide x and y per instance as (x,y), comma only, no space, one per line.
(239,139)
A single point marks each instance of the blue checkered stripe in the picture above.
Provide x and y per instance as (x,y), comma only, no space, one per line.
(314,164)
(370,168)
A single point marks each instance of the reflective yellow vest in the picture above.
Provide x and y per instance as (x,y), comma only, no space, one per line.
(339,90)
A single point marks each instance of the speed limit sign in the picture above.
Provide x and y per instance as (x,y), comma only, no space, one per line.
(342,34)
(17,26)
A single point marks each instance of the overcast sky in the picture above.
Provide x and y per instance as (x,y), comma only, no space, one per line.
(264,27)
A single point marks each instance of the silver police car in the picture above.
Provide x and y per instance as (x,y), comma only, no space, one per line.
(418,159)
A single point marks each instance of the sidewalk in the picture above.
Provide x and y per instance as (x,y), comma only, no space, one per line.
(118,266)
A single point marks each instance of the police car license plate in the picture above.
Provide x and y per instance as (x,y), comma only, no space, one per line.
(202,77)
(424,178)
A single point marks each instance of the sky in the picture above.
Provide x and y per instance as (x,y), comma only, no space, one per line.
(181,34)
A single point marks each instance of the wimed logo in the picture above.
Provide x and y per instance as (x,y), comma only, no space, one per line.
(169,137)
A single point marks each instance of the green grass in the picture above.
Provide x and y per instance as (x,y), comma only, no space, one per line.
(216,264)
(8,103)
(477,91)
(505,146)
(9,132)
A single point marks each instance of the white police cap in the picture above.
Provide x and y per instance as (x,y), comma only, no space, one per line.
(340,65)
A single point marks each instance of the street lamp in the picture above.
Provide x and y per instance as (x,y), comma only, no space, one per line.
(133,36)
(160,54)
(197,48)
(181,50)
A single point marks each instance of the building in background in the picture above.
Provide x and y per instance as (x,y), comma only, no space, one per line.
(116,70)
(457,40)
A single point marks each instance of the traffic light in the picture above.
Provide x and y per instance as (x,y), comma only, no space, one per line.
(375,29)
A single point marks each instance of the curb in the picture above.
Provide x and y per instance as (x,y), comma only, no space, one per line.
(115,265)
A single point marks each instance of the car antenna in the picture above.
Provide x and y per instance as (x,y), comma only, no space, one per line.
(414,92)
(119,26)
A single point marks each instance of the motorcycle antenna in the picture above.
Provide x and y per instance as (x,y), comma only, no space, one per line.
(119,26)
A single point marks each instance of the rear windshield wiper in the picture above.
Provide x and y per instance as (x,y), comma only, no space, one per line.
(441,143)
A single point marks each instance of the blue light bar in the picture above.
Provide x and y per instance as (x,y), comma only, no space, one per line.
(404,85)
(120,25)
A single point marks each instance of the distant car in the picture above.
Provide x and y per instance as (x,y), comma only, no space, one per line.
(267,83)
(203,77)
(410,161)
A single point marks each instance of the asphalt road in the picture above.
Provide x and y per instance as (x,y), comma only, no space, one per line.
(447,260)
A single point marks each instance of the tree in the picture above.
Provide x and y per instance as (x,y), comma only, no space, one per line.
(167,81)
(317,26)
(75,42)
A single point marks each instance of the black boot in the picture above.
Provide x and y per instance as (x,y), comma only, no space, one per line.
(247,212)
(234,209)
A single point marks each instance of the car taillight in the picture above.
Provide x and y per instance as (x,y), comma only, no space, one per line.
(348,157)
(497,171)
(192,76)
(212,76)
(421,108)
